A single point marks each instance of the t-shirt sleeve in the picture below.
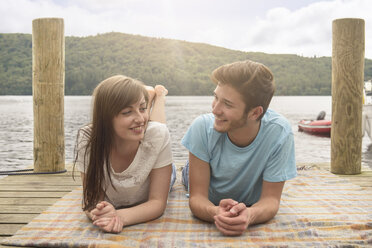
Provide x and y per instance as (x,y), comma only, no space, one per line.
(165,153)
(196,139)
(281,165)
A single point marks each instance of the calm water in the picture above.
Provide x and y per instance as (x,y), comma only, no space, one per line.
(16,126)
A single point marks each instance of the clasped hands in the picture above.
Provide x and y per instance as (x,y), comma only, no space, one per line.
(106,218)
(232,217)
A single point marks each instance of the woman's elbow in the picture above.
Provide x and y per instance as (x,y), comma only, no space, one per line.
(159,207)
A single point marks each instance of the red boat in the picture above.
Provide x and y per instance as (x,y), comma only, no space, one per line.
(317,127)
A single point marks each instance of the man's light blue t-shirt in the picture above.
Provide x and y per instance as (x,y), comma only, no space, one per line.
(238,172)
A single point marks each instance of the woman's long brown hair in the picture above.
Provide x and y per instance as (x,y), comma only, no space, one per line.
(109,98)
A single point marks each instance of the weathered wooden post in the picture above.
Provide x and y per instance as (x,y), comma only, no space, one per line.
(48,79)
(347,95)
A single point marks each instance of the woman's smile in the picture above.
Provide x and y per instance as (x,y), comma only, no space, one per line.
(138,129)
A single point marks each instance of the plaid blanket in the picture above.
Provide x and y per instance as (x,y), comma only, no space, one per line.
(318,209)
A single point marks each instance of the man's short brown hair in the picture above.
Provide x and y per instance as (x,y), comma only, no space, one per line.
(254,81)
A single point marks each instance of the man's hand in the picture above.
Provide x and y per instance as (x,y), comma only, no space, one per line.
(105,217)
(232,218)
(225,206)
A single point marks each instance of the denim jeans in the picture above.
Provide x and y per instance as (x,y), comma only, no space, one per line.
(173,177)
(185,175)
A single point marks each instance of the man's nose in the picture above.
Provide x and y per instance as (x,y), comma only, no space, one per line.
(216,108)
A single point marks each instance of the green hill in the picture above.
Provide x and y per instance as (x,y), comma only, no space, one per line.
(183,67)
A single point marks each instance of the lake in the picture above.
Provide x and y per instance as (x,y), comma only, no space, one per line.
(16,126)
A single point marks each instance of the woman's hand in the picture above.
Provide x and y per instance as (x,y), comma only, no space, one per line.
(106,218)
(102,210)
(110,224)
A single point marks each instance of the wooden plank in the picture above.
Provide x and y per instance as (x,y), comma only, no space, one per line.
(364,179)
(41,177)
(31,209)
(64,174)
(16,218)
(4,246)
(9,229)
(51,194)
(41,183)
(32,188)
(361,183)
(28,201)
(367,174)
(22,198)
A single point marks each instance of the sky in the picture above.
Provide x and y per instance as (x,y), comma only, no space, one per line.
(302,27)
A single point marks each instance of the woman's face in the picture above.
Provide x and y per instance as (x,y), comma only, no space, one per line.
(131,122)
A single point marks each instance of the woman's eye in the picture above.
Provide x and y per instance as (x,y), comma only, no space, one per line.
(143,109)
(126,112)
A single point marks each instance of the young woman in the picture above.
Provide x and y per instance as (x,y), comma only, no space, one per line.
(124,155)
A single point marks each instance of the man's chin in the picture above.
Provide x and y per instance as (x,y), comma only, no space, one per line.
(219,129)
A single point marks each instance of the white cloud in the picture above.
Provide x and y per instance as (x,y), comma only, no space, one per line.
(242,24)
(307,31)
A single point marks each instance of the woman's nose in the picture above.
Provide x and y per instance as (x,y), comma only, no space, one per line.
(139,117)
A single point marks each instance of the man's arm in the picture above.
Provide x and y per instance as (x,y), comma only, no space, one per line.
(199,178)
(268,205)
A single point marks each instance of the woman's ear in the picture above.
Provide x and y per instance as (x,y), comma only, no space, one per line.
(255,113)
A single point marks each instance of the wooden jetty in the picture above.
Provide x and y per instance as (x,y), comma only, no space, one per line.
(23,197)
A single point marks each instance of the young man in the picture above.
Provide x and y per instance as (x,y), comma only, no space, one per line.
(241,154)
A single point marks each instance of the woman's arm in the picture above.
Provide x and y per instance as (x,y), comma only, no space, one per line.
(155,206)
(106,217)
(157,103)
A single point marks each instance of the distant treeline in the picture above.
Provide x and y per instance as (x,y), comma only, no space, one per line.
(183,67)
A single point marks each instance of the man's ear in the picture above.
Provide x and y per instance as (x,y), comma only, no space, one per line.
(255,113)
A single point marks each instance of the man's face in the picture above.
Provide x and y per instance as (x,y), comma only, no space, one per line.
(228,109)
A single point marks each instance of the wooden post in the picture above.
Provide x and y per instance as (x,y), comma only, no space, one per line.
(48,79)
(347,95)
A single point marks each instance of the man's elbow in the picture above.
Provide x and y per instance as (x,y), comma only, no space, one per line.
(265,210)
(274,209)
(193,206)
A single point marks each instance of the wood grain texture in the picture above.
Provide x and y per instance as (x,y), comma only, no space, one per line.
(22,198)
(48,78)
(347,92)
